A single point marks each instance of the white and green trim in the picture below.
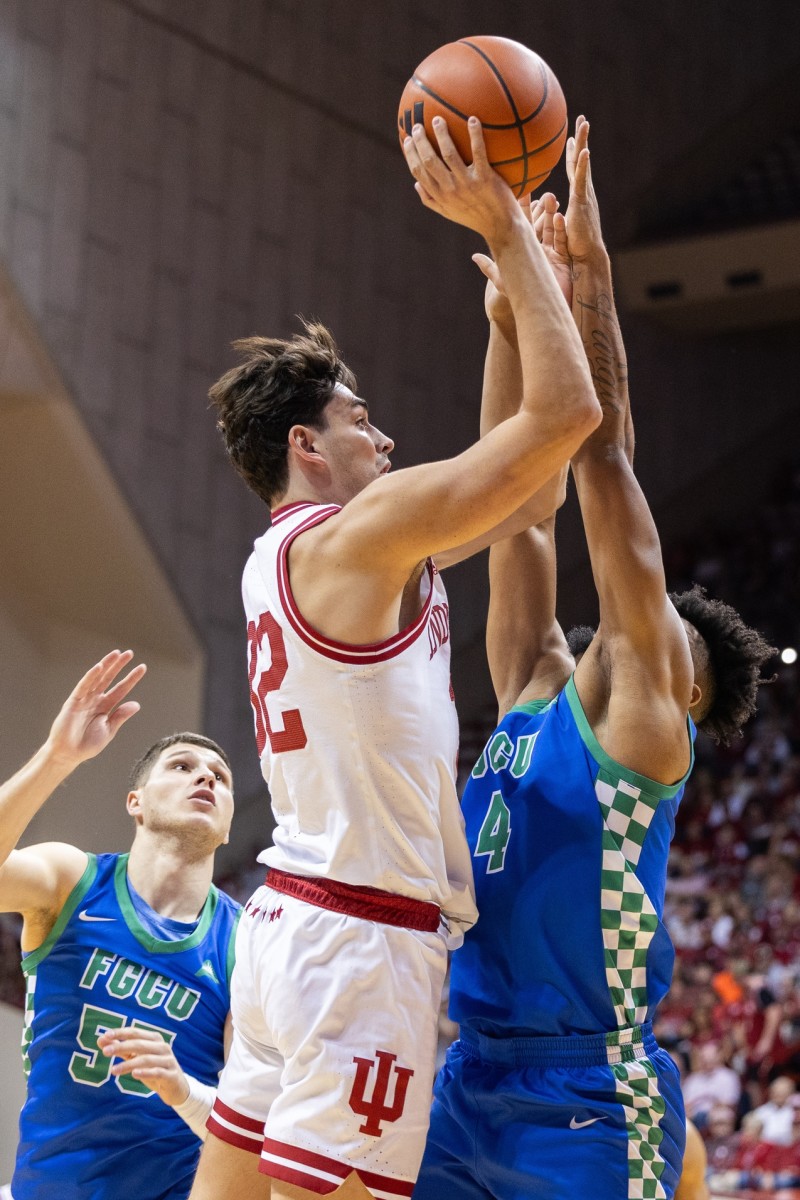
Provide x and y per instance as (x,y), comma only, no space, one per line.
(644,1107)
(628,802)
(144,936)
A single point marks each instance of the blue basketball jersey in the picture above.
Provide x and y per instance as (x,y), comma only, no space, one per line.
(569,851)
(84,1133)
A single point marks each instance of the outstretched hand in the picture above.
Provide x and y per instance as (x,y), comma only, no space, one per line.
(95,710)
(470,194)
(582,230)
(543,214)
(568,239)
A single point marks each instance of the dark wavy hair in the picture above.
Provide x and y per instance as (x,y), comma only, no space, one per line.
(735,656)
(277,384)
(727,654)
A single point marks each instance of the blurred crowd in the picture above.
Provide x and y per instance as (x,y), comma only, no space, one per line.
(732,1017)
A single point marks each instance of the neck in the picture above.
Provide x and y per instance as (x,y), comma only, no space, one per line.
(302,491)
(174,884)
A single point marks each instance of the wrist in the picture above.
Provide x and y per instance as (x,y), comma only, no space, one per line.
(54,762)
(507,234)
(596,262)
(503,323)
(195,1109)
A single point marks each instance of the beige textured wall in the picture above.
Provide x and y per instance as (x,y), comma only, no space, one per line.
(174,173)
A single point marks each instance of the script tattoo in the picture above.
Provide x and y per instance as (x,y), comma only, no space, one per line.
(608,372)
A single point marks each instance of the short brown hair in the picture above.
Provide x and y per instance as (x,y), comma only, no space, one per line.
(143,766)
(278,384)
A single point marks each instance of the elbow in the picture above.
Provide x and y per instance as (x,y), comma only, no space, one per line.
(593,413)
(587,415)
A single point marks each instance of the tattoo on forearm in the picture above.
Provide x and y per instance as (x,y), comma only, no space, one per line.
(608,371)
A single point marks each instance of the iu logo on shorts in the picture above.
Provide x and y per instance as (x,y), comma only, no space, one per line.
(376,1109)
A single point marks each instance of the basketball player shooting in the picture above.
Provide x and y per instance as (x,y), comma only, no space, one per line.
(342,953)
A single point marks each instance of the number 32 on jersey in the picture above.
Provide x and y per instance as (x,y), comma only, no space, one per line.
(293,735)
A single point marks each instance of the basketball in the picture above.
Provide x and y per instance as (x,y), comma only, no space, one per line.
(512,91)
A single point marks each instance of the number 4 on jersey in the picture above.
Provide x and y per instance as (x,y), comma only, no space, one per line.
(494,834)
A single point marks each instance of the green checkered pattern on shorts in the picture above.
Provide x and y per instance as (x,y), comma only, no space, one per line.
(637,1092)
(27,1024)
(628,918)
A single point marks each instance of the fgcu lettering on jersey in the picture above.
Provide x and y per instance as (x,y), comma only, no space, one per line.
(149,988)
(103,968)
(569,851)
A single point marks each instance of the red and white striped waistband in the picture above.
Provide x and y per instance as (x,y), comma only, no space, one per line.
(370,904)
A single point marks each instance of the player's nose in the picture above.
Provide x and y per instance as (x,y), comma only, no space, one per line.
(383,442)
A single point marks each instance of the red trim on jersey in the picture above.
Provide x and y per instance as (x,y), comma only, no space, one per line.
(280,514)
(249,1134)
(371,652)
(304,1175)
(368,903)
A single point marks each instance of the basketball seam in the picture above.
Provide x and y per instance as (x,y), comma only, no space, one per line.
(518,124)
(511,101)
(506,162)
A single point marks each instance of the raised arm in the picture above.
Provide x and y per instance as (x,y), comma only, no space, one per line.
(636,679)
(36,881)
(527,652)
(502,393)
(407,515)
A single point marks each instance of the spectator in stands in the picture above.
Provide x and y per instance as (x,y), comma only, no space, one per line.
(777,1115)
(754,1025)
(747,1152)
(710,1083)
(722,1139)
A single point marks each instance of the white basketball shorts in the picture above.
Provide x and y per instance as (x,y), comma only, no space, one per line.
(335,1029)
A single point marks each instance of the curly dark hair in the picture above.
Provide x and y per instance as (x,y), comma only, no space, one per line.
(277,385)
(735,655)
(579,639)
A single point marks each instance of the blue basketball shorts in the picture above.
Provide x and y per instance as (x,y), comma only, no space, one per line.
(555,1118)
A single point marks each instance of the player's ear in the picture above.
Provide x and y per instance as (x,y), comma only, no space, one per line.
(697,696)
(302,442)
(133,804)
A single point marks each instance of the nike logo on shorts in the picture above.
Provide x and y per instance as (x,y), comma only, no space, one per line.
(582,1124)
(84,916)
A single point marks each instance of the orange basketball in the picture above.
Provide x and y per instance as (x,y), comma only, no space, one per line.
(509,88)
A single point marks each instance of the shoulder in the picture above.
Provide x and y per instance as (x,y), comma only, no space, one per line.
(38,882)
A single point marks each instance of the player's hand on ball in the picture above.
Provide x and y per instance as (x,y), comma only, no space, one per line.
(472,194)
(583,232)
(146,1056)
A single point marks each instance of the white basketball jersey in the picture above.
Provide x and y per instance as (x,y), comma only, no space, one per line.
(358,744)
